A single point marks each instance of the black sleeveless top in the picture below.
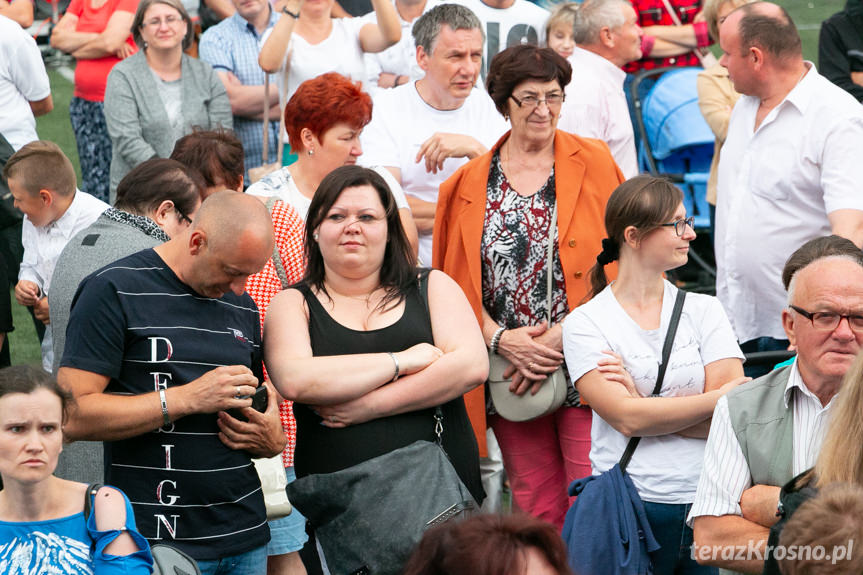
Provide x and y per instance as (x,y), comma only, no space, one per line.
(322,449)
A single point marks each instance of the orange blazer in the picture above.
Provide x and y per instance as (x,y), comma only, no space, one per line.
(585,174)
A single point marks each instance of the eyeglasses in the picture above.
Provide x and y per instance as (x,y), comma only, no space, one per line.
(530,101)
(828,320)
(156,22)
(680,225)
(182,217)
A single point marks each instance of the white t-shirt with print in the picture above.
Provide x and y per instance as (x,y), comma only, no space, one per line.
(665,468)
(402,121)
(522,23)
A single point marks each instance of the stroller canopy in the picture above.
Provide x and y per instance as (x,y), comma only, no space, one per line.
(672,119)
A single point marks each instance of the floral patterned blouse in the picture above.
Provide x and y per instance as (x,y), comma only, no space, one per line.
(514,252)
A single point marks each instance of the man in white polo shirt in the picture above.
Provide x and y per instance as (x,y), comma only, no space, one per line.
(790,168)
(607,36)
(424,131)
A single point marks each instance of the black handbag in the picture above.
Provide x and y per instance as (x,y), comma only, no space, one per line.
(369,517)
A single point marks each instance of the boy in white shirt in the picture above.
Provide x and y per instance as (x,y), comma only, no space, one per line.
(42,181)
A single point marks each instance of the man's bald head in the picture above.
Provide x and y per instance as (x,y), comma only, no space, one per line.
(769,27)
(226,217)
(230,239)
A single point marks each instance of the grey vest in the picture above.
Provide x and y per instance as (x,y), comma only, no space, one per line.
(764,428)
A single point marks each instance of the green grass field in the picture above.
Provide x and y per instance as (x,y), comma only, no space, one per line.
(55,126)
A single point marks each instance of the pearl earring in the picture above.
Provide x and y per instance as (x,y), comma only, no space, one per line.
(315,236)
(311,151)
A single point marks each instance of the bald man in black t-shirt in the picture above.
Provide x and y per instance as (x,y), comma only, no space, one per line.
(159,345)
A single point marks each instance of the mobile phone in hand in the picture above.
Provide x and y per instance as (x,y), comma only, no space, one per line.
(259,403)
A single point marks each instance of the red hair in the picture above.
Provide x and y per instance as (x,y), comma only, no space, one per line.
(321,103)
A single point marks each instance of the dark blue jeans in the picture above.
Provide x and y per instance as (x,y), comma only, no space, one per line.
(668,522)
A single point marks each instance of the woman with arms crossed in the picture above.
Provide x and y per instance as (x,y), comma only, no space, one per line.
(493,221)
(373,360)
(613,346)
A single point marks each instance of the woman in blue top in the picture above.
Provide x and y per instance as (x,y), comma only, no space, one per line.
(42,524)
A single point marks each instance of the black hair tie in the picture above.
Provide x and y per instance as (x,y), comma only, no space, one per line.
(610,252)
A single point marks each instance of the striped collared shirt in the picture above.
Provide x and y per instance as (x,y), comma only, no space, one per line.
(725,473)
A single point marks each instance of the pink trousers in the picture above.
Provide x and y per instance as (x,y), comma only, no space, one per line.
(542,457)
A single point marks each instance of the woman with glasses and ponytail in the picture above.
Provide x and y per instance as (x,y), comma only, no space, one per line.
(492,227)
(613,348)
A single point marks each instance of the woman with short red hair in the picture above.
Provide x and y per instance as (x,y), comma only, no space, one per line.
(324,119)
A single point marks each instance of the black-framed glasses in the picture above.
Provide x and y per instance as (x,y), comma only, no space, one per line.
(183,217)
(829,320)
(531,101)
(680,225)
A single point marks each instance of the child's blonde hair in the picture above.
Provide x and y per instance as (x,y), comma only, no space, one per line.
(562,15)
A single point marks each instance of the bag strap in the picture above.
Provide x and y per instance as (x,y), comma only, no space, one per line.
(699,52)
(549,271)
(277,257)
(266,123)
(92,489)
(266,120)
(666,354)
(674,17)
(423,281)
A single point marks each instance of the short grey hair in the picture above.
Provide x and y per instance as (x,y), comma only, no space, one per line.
(427,27)
(594,15)
(842,257)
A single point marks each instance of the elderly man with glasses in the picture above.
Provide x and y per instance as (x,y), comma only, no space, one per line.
(769,430)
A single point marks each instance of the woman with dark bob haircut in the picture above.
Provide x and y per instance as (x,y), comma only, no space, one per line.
(324,119)
(494,218)
(42,522)
(376,356)
(490,545)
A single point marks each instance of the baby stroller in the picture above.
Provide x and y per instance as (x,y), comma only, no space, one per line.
(677,143)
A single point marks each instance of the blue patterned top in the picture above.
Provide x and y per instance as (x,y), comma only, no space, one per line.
(69,546)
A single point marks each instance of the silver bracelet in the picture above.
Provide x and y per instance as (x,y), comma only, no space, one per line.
(396,362)
(164,400)
(495,339)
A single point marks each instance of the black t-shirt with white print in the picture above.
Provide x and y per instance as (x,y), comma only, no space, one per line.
(137,323)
